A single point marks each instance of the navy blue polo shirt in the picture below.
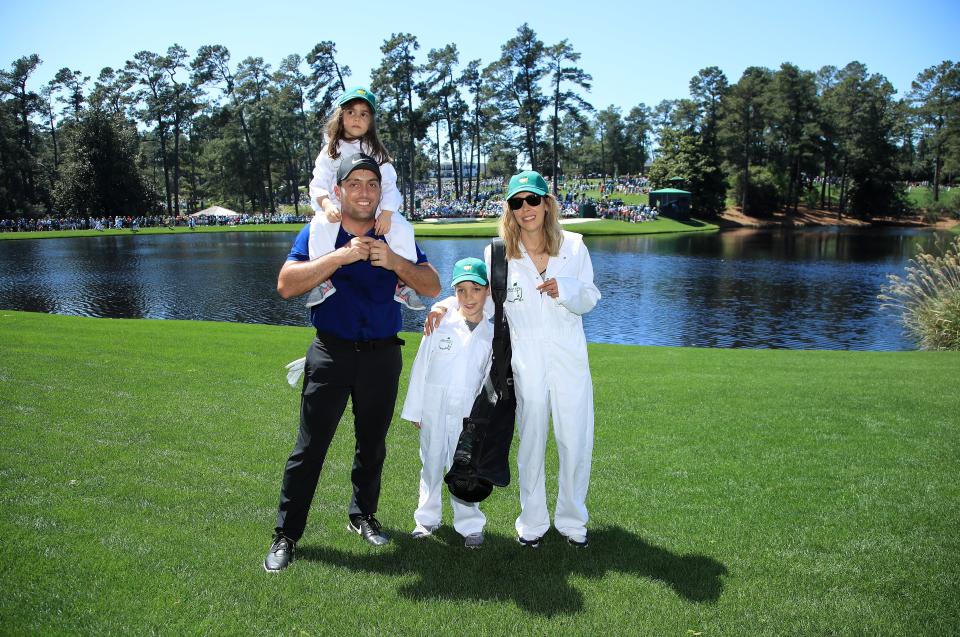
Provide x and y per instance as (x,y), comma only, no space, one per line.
(363,307)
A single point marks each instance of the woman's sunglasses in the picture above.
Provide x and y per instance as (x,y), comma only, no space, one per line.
(517,202)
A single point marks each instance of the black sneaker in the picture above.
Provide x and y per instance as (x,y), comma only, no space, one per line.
(530,544)
(368,528)
(280,555)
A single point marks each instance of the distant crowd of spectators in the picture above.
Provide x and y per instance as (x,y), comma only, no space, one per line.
(135,222)
(430,204)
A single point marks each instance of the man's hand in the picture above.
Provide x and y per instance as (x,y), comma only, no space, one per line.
(357,250)
(433,320)
(382,256)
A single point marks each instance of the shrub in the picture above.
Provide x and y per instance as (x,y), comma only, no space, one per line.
(763,195)
(929,298)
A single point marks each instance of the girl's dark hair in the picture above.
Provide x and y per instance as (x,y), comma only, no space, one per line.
(370,143)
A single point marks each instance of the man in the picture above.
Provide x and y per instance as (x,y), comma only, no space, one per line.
(356,354)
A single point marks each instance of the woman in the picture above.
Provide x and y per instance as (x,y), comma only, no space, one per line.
(549,286)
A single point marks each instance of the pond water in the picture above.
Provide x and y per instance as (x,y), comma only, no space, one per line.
(797,289)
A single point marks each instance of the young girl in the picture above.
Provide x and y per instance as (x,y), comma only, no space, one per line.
(446,377)
(351,129)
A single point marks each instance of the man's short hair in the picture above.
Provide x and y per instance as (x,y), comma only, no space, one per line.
(356,162)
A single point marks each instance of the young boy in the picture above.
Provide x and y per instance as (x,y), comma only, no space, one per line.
(446,377)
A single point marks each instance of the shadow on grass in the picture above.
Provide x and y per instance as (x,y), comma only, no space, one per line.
(535,579)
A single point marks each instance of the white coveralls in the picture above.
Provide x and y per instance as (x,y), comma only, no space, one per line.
(552,378)
(400,238)
(446,377)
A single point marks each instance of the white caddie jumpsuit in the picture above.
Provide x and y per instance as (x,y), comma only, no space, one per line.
(446,377)
(552,379)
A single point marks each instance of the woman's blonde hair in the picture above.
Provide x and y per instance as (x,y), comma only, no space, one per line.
(553,233)
(370,142)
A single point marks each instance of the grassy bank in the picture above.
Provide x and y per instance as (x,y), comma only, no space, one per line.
(595,227)
(734,492)
(480,228)
(69,234)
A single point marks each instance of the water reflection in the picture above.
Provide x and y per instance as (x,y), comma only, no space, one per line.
(800,289)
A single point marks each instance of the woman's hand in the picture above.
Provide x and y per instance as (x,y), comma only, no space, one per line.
(549,287)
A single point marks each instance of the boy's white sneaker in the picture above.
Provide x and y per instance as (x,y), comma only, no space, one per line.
(422,531)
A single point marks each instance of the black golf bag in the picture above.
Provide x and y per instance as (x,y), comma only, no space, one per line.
(481,460)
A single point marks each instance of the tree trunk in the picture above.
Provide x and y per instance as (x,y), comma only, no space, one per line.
(744,202)
(306,138)
(823,186)
(842,203)
(53,136)
(556,142)
(937,167)
(439,177)
(460,163)
(162,131)
(176,164)
(247,142)
(411,149)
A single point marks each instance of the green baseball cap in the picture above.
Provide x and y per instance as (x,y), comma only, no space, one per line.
(359,93)
(470,269)
(527,181)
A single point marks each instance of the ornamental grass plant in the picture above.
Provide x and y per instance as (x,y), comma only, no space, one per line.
(929,298)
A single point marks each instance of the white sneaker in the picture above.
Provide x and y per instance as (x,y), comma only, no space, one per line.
(405,295)
(474,540)
(422,531)
(320,293)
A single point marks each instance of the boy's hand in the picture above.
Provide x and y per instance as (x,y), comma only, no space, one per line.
(417,425)
(383,223)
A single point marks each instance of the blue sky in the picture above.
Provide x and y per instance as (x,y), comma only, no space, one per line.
(636,51)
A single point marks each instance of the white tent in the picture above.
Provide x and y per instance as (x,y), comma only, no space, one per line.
(216,211)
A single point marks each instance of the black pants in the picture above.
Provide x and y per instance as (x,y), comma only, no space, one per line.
(334,371)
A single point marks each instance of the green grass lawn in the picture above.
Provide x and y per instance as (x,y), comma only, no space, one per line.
(922,196)
(594,227)
(734,492)
(479,228)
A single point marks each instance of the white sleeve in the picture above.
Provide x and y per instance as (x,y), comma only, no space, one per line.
(390,197)
(400,238)
(578,294)
(322,183)
(449,304)
(413,403)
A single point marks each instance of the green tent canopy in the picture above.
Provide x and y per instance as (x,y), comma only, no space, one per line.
(671,202)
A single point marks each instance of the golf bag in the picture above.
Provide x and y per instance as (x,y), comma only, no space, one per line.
(481,460)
